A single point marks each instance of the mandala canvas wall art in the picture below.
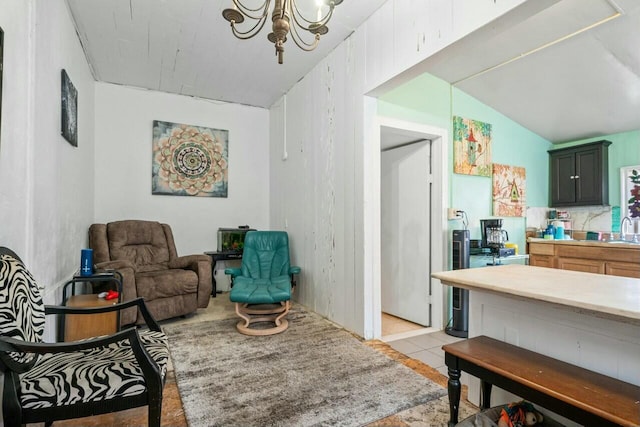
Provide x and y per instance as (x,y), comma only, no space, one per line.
(189,160)
(509,190)
(471,147)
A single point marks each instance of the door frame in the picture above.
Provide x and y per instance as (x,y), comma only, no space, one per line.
(439,227)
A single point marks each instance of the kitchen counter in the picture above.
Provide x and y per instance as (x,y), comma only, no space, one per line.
(611,297)
(586,319)
(596,243)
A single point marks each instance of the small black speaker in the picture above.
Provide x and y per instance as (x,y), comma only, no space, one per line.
(460,297)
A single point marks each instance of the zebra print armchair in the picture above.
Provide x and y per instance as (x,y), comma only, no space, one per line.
(46,382)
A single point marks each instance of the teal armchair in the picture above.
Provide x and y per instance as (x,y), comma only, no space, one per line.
(262,286)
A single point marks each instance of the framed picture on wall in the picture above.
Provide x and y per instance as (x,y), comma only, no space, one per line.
(189,160)
(630,191)
(69,110)
(471,147)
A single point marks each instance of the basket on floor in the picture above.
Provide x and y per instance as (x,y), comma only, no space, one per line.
(489,418)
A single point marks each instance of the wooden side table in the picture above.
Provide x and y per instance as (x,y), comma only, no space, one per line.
(79,326)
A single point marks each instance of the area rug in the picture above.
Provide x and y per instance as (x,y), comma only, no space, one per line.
(313,374)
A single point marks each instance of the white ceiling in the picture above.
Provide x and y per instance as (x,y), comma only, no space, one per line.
(579,87)
(582,86)
(186,47)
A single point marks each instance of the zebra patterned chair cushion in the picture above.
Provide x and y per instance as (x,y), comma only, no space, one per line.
(91,375)
(21,308)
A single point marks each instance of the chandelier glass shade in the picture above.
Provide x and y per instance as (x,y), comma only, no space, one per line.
(287,19)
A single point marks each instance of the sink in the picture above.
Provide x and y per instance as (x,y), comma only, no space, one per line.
(628,242)
(615,241)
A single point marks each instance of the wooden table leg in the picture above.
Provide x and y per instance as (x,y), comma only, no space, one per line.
(485,402)
(454,395)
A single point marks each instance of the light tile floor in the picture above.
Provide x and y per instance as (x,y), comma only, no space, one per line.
(423,344)
(426,347)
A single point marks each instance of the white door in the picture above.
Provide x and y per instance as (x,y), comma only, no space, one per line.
(405,239)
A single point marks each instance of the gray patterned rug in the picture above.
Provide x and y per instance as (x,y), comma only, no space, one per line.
(313,374)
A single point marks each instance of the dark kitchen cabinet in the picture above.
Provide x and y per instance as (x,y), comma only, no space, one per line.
(579,175)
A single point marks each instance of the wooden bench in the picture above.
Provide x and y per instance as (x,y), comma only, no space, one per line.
(576,393)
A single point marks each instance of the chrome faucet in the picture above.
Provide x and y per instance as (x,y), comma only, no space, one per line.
(623,231)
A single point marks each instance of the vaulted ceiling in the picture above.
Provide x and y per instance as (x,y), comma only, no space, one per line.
(186,47)
(568,72)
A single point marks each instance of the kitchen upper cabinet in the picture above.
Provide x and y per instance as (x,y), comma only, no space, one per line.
(579,175)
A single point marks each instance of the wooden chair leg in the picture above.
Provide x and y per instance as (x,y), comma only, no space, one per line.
(155,413)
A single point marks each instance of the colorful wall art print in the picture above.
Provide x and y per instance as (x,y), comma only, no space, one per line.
(630,197)
(509,190)
(471,147)
(189,160)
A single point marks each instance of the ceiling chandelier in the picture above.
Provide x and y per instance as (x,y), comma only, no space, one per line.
(283,11)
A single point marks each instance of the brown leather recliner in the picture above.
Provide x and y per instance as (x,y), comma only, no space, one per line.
(145,254)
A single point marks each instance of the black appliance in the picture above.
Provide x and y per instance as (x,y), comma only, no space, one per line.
(460,297)
(488,223)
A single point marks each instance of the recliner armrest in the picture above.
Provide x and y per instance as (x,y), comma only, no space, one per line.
(115,265)
(188,261)
(294,270)
(233,272)
(201,265)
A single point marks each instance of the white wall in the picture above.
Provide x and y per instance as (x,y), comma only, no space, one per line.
(124,121)
(44,215)
(63,179)
(326,178)
(17,130)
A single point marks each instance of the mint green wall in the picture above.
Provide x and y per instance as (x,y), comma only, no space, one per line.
(425,99)
(623,151)
(432,101)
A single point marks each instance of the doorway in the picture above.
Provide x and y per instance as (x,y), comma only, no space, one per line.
(405,232)
(403,143)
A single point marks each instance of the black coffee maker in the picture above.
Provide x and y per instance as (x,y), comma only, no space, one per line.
(494,237)
(488,223)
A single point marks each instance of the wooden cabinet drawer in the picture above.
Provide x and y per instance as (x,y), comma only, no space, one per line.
(541,248)
(625,269)
(541,261)
(578,264)
(603,253)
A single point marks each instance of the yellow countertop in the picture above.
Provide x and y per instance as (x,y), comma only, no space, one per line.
(612,297)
